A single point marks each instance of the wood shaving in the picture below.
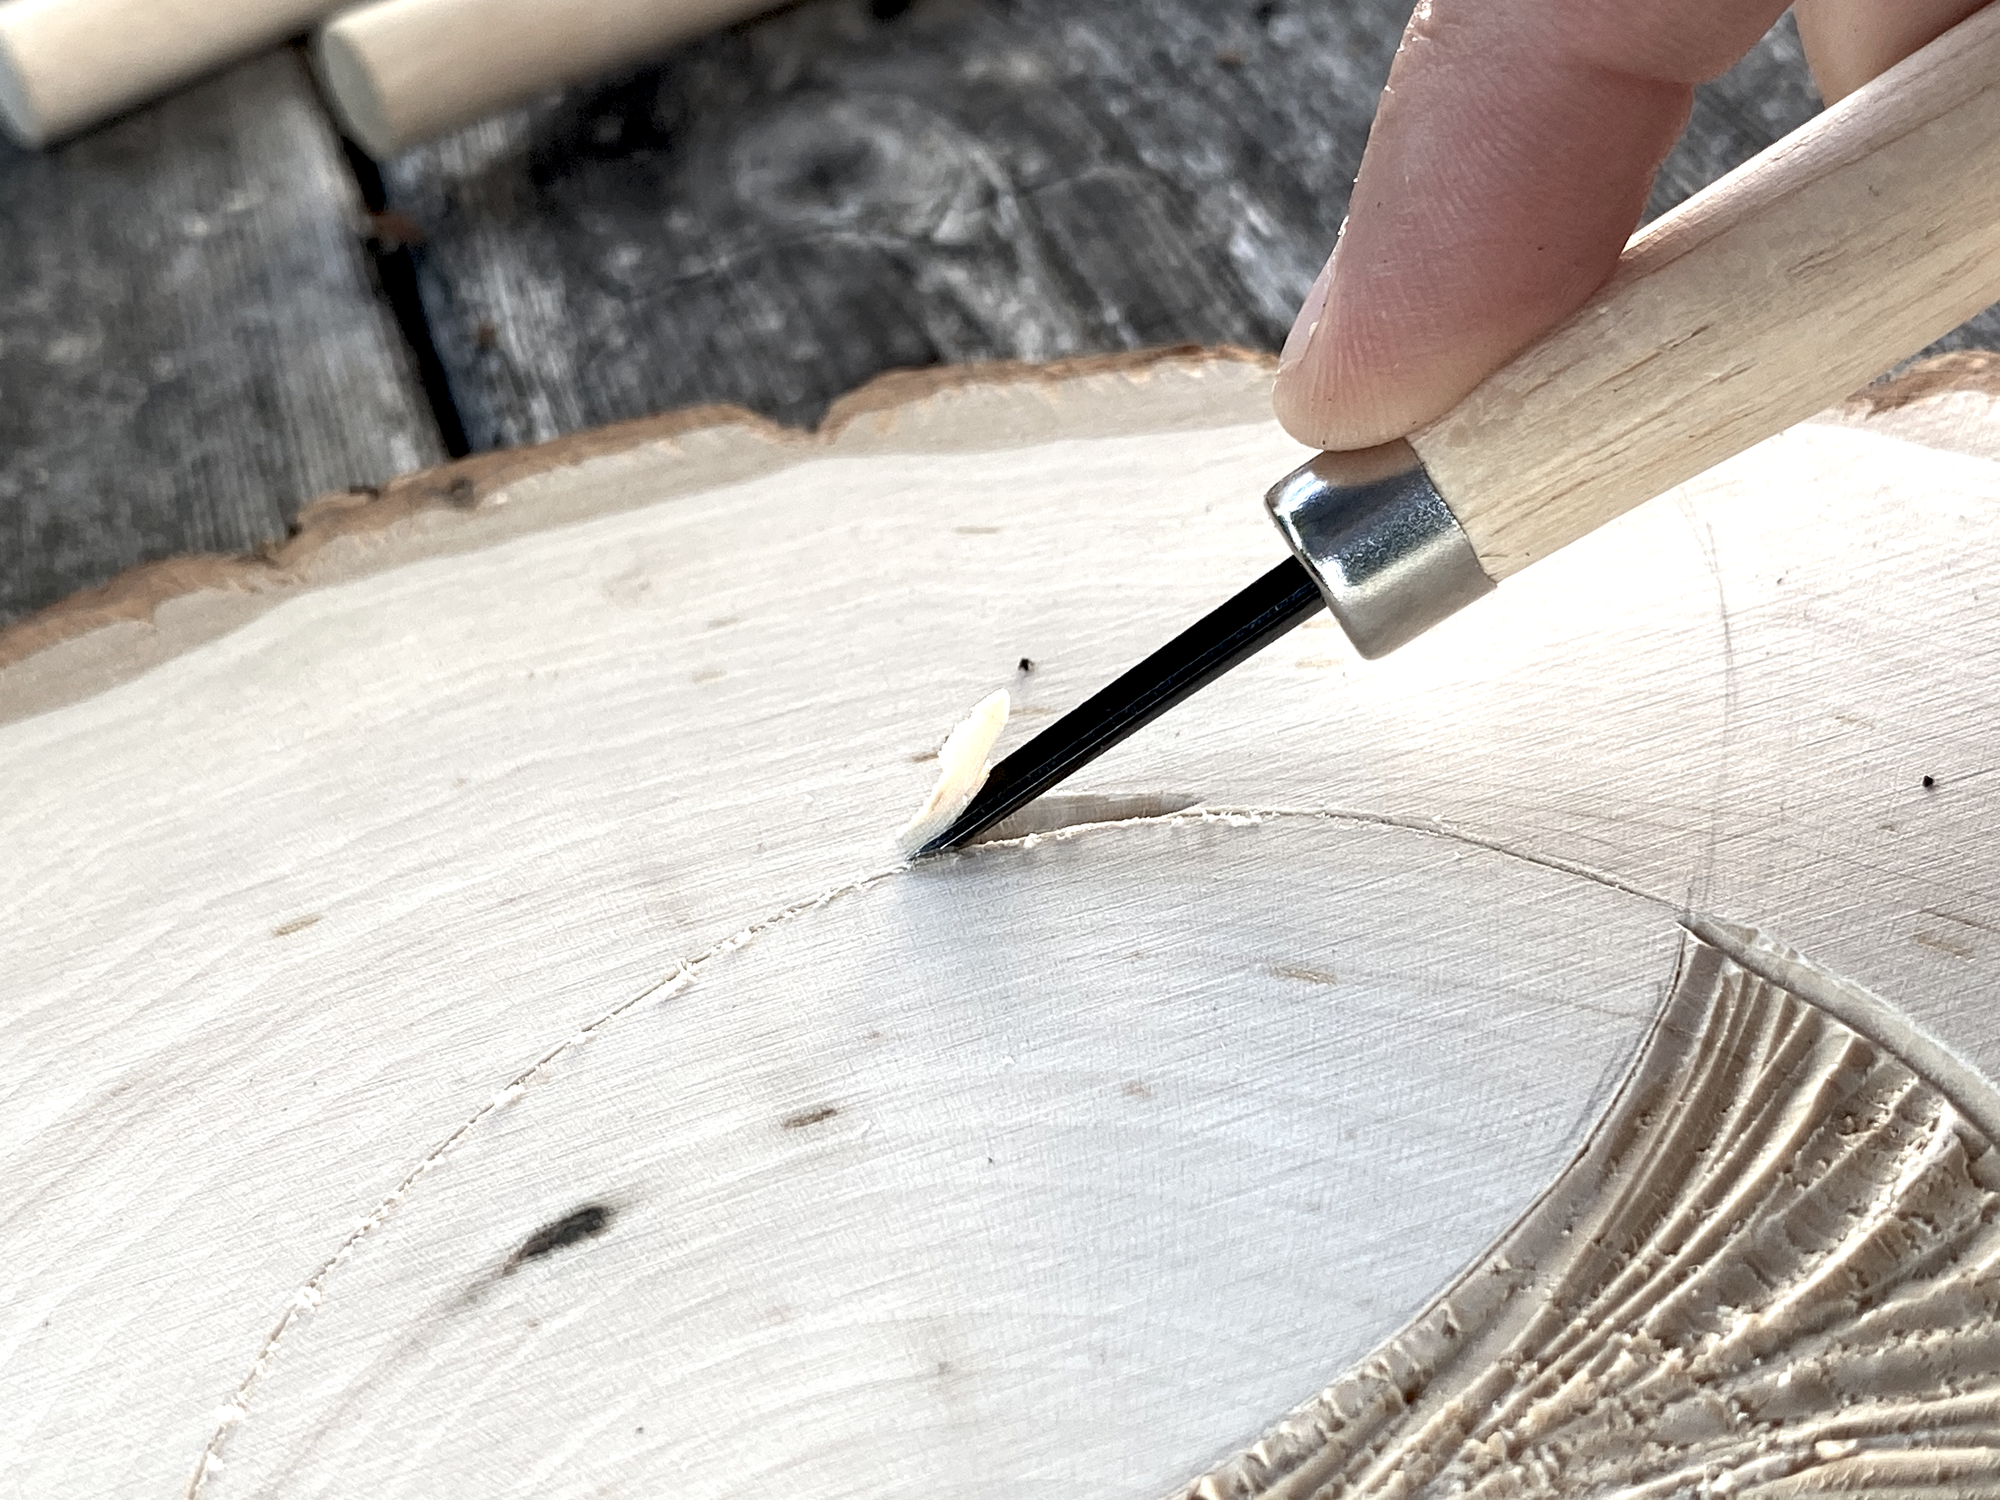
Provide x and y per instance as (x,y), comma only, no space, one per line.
(962,772)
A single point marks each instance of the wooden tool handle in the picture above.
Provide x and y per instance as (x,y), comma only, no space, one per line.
(401,71)
(1847,246)
(66,64)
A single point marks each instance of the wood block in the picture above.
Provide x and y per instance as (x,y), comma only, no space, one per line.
(468,1032)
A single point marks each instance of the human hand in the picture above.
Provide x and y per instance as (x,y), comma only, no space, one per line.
(1509,163)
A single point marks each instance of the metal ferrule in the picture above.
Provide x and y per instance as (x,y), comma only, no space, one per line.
(1381,543)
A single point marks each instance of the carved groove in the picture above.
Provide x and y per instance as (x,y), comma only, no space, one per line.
(1771,1272)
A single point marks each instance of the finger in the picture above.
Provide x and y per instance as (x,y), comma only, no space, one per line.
(1509,163)
(1848,42)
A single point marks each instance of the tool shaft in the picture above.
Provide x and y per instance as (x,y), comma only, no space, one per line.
(1250,621)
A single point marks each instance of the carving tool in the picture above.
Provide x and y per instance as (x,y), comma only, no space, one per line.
(1847,246)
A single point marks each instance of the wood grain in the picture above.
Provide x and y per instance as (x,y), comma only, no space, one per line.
(401,978)
(947,1294)
(772,216)
(190,346)
(1840,251)
(1766,1276)
(775,215)
(100,637)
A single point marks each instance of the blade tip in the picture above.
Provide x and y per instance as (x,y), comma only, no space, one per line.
(943,843)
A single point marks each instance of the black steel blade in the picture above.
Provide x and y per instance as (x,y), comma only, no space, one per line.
(1188,663)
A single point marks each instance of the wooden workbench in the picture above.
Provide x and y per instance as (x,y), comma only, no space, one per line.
(210,313)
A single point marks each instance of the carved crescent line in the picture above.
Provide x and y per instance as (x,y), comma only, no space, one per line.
(1770,1272)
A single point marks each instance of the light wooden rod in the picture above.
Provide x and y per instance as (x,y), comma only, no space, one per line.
(1844,248)
(402,71)
(67,64)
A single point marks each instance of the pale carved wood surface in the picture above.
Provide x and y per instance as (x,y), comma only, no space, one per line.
(433,961)
(1767,1275)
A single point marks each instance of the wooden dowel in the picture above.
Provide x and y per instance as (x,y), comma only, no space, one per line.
(402,71)
(1808,271)
(67,64)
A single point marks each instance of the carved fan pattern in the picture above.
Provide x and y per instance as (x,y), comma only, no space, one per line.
(1771,1272)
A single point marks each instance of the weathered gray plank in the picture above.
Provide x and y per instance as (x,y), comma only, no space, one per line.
(773,215)
(190,344)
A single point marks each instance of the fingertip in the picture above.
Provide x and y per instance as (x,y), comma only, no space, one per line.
(1501,181)
(1299,340)
(1509,164)
(1311,400)
(1348,376)
(1328,399)
(1301,407)
(1298,406)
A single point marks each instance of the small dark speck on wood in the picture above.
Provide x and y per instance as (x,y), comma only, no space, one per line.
(1929,782)
(1026,664)
(819,1114)
(559,1234)
(300,924)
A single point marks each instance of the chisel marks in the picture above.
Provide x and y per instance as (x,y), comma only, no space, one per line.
(1770,1272)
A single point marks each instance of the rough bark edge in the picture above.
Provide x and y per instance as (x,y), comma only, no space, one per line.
(1975,370)
(137,593)
(894,389)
